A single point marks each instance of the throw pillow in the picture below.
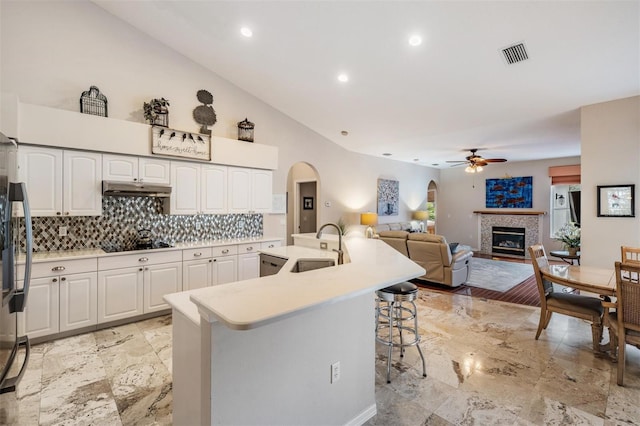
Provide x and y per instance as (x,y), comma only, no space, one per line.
(453,247)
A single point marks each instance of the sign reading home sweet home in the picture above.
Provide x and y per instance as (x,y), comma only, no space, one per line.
(176,143)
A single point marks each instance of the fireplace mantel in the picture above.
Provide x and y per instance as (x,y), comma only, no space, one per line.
(512,212)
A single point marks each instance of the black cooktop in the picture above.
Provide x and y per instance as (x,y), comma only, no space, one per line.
(117,248)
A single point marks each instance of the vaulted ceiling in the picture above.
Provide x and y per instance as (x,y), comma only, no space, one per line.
(426,103)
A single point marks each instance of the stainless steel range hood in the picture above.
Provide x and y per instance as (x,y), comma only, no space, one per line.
(135,189)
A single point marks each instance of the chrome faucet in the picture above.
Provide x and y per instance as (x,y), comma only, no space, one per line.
(339,251)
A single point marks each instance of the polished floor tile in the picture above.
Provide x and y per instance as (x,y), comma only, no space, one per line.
(483,368)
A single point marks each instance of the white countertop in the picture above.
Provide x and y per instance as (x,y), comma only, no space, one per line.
(253,303)
(96,252)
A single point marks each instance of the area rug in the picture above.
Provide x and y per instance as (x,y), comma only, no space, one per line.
(497,275)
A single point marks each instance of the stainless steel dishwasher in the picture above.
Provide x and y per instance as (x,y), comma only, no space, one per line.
(270,265)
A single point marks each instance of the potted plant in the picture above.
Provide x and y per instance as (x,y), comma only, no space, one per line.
(569,235)
(156,112)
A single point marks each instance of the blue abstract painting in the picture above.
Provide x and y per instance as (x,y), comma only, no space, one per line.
(515,192)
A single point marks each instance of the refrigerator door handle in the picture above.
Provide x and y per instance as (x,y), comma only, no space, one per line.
(11,382)
(18,192)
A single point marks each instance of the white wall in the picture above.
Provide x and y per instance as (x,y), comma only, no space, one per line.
(460,193)
(53,51)
(610,156)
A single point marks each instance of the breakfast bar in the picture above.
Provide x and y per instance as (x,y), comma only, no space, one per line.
(267,342)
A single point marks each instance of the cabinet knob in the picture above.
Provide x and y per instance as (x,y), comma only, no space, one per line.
(63,279)
(225,251)
(55,280)
(58,213)
(66,213)
(140,269)
(249,248)
(215,260)
(210,260)
(197,254)
(270,245)
(143,259)
(135,179)
(58,268)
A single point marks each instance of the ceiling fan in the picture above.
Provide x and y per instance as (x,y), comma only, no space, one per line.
(474,162)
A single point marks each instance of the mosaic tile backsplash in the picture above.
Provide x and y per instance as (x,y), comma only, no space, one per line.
(123,217)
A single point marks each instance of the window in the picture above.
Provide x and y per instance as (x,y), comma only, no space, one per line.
(565,206)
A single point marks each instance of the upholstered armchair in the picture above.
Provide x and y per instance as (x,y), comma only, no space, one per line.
(433,254)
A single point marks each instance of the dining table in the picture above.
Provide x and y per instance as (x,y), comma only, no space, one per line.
(601,281)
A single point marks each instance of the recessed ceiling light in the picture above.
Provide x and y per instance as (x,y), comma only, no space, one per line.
(435,164)
(344,133)
(343,78)
(415,40)
(246,31)
(386,154)
(416,159)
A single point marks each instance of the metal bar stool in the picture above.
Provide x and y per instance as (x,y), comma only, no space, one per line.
(392,313)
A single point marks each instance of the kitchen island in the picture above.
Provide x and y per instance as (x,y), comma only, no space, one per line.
(261,351)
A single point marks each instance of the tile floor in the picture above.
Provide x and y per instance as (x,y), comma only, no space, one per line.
(484,368)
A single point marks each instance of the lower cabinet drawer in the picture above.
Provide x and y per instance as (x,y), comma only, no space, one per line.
(64,267)
(139,259)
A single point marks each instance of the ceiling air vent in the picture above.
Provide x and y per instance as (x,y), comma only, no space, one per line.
(516,53)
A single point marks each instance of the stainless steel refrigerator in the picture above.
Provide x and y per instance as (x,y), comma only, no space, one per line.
(16,245)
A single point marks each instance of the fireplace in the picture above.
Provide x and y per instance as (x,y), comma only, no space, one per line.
(508,240)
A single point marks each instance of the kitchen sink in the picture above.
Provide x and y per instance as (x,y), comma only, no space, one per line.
(304,265)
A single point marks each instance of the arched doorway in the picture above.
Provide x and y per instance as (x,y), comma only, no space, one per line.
(432,192)
(303,187)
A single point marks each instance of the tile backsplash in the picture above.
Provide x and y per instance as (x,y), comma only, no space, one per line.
(122,217)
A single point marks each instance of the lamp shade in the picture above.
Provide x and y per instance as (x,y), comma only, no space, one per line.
(421,215)
(368,218)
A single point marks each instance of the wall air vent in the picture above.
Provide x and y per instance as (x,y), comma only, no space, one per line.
(516,53)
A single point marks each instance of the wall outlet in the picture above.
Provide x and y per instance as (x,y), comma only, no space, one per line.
(335,372)
(323,245)
(198,226)
(62,231)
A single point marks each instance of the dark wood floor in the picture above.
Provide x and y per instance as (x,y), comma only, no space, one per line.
(525,293)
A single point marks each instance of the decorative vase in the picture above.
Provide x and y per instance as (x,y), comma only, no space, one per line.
(572,251)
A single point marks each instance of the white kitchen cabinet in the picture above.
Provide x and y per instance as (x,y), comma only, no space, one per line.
(126,168)
(160,280)
(248,261)
(41,316)
(198,189)
(120,293)
(62,297)
(250,190)
(213,189)
(185,188)
(134,284)
(61,182)
(202,269)
(224,270)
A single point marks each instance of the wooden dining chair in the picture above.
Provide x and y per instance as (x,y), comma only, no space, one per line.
(630,255)
(575,305)
(624,323)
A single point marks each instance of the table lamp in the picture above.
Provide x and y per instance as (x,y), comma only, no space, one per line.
(369,219)
(421,215)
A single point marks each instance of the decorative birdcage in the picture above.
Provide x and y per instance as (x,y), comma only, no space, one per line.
(245,130)
(93,102)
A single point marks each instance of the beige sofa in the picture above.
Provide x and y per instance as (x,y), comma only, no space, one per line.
(432,252)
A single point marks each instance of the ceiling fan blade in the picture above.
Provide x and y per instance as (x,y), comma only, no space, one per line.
(494,160)
(456,161)
(480,162)
(459,164)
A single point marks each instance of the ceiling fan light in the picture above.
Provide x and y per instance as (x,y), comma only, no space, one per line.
(478,168)
(469,169)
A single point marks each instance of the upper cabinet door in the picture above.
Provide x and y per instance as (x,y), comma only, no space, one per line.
(213,190)
(41,170)
(119,168)
(185,188)
(82,193)
(262,189)
(239,190)
(153,170)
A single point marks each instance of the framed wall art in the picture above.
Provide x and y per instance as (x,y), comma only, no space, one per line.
(176,143)
(307,203)
(515,192)
(616,201)
(388,197)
